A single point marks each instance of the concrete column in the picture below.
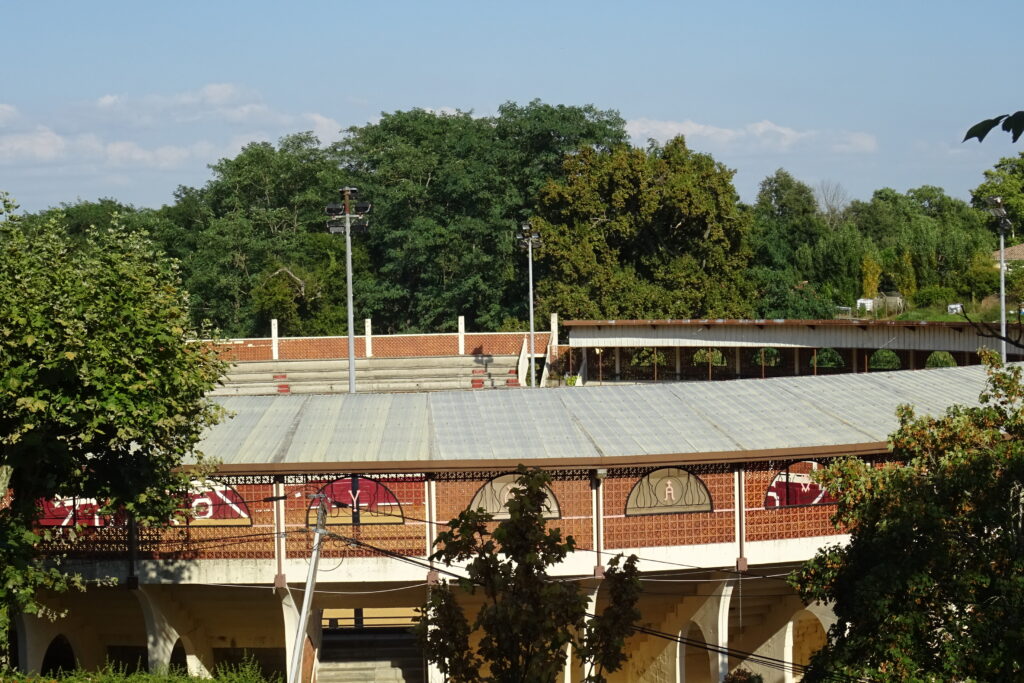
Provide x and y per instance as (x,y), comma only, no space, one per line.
(618,363)
(160,635)
(553,342)
(166,622)
(290,614)
(738,361)
(796,361)
(462,335)
(713,619)
(679,363)
(853,360)
(273,339)
(369,337)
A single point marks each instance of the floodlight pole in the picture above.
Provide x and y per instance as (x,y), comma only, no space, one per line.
(347,195)
(997,209)
(1002,291)
(295,672)
(528,236)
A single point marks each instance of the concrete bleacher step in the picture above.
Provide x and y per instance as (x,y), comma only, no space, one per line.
(359,672)
(434,373)
(370,655)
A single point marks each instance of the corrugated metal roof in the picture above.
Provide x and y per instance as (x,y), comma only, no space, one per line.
(577,425)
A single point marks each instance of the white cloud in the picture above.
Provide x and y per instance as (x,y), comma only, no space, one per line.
(324,127)
(108,101)
(41,144)
(8,112)
(855,143)
(759,136)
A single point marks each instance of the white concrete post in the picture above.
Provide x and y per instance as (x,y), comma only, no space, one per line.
(462,335)
(273,338)
(369,338)
(553,342)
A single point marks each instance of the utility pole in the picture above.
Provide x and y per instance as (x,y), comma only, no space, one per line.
(295,671)
(348,195)
(528,237)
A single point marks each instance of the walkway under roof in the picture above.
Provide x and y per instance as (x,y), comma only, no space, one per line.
(580,427)
(912,335)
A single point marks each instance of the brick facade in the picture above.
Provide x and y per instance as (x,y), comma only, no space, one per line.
(384,346)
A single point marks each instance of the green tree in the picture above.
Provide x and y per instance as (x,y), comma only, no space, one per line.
(785,218)
(101,394)
(631,233)
(929,587)
(521,631)
(1006,180)
(450,192)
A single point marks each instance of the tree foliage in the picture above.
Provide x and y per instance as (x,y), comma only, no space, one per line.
(527,618)
(101,394)
(1011,123)
(930,586)
(632,233)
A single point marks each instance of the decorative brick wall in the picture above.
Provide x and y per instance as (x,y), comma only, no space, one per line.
(678,528)
(781,522)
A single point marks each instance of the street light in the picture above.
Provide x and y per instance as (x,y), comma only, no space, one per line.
(997,209)
(528,236)
(347,209)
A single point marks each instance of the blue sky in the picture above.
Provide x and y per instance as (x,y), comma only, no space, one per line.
(131,99)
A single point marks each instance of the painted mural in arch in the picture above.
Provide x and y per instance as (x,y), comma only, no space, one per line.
(493,496)
(668,490)
(794,486)
(354,499)
(213,503)
(207,503)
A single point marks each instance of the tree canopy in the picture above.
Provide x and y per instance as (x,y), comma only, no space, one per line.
(929,587)
(633,233)
(101,394)
(528,618)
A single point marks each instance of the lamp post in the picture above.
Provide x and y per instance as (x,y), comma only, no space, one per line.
(997,209)
(528,236)
(348,195)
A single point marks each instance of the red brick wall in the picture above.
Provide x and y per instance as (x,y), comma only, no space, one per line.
(384,346)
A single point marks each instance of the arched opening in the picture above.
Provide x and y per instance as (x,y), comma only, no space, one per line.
(884,359)
(826,361)
(179,661)
(492,497)
(667,490)
(695,660)
(940,359)
(808,637)
(795,485)
(59,657)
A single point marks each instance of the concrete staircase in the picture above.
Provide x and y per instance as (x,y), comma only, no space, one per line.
(423,373)
(366,655)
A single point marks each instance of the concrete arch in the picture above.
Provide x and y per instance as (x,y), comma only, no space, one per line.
(59,656)
(696,664)
(808,636)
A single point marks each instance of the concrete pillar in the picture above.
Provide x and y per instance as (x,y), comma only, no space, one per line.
(273,339)
(369,337)
(462,335)
(796,361)
(737,361)
(167,621)
(712,617)
(36,633)
(553,343)
(853,360)
(618,363)
(290,615)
